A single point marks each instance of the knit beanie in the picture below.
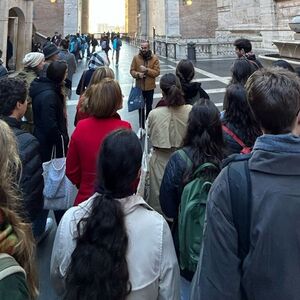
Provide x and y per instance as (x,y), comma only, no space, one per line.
(33,59)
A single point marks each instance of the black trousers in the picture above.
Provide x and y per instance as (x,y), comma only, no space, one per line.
(148,96)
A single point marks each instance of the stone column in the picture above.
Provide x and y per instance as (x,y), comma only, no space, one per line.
(172,26)
(71,17)
(85,16)
(143,19)
(3,27)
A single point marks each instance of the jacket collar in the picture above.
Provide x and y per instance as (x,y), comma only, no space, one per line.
(276,154)
(12,122)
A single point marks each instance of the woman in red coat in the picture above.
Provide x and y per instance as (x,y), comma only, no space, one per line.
(104,101)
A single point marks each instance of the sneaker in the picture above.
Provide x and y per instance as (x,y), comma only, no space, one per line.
(141,132)
(48,228)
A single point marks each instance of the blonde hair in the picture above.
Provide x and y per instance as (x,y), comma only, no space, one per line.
(98,75)
(10,166)
(105,98)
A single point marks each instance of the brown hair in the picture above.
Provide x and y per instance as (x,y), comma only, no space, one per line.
(172,92)
(98,75)
(105,98)
(10,165)
(274,97)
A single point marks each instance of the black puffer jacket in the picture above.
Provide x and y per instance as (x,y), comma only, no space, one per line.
(31,183)
(49,119)
(193,92)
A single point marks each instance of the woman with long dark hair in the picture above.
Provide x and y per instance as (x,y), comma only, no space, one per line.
(239,119)
(167,127)
(114,246)
(202,143)
(241,70)
(192,91)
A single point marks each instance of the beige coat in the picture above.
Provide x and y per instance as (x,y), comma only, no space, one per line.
(147,83)
(166,127)
(151,258)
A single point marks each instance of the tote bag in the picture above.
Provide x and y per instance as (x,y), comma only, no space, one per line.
(143,189)
(59,192)
(135,99)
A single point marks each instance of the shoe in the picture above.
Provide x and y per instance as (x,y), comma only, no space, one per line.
(48,228)
(141,132)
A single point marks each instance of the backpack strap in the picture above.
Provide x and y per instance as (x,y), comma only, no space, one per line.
(234,136)
(241,202)
(185,157)
(9,266)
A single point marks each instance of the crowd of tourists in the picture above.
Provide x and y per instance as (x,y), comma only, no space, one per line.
(207,210)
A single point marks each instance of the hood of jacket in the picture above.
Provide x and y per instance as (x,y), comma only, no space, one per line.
(40,85)
(276,154)
(190,89)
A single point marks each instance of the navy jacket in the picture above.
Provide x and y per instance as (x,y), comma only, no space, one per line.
(31,182)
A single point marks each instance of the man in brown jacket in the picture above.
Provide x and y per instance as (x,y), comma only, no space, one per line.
(145,68)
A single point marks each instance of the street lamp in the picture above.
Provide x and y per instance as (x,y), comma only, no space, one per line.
(188,2)
(53,1)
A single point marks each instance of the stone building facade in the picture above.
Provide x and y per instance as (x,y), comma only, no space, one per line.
(16,22)
(214,24)
(63,16)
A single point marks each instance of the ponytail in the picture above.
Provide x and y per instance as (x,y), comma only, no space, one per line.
(98,268)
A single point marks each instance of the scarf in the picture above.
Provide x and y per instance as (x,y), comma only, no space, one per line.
(8,239)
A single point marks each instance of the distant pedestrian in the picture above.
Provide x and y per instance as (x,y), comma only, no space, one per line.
(9,52)
(3,70)
(94,44)
(118,45)
(145,68)
(70,59)
(98,59)
(243,48)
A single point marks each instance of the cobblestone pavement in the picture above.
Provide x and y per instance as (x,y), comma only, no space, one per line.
(212,73)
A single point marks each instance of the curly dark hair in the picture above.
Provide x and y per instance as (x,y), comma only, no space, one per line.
(12,91)
(98,268)
(172,92)
(239,115)
(204,136)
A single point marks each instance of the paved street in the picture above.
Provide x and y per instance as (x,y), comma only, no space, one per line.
(214,76)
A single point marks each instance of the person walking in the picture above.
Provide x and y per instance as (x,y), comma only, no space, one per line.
(145,68)
(9,52)
(118,45)
(121,243)
(251,240)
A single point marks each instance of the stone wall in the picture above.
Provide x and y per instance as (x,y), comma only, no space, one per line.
(198,20)
(131,12)
(71,17)
(156,17)
(49,17)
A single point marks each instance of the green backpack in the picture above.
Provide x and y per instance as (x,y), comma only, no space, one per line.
(192,214)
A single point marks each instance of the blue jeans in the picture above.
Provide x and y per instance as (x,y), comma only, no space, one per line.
(185,286)
(39,223)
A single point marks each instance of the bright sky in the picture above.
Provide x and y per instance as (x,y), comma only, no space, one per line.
(111,12)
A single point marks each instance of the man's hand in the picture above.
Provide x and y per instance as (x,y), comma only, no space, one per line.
(143,68)
(140,75)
